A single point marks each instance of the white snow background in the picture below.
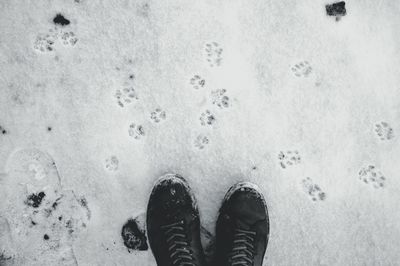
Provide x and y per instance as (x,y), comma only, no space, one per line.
(272,92)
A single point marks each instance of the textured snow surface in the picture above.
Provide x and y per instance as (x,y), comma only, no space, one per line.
(96,107)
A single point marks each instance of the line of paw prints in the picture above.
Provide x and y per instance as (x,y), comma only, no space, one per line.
(197,82)
(126,96)
(45,42)
(384,131)
(112,163)
(219,98)
(289,158)
(371,175)
(302,69)
(213,54)
(207,118)
(201,141)
(136,131)
(313,190)
(158,115)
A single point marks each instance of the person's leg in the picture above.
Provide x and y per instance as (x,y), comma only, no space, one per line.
(173,223)
(242,227)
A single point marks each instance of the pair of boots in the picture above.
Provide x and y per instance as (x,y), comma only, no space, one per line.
(173,225)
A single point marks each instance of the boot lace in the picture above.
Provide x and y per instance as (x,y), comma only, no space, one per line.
(178,246)
(243,248)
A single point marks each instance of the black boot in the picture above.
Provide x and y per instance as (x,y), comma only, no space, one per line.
(173,223)
(242,228)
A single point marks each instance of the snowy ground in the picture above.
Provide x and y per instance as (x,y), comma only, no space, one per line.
(274,92)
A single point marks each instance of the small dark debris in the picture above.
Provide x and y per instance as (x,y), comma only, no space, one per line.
(60,218)
(54,205)
(34,200)
(46,237)
(59,19)
(131,76)
(3,131)
(337,9)
(134,238)
(33,223)
(49,129)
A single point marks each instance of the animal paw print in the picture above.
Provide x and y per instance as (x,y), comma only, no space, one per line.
(197,82)
(313,190)
(126,96)
(158,115)
(213,53)
(371,175)
(201,141)
(112,163)
(68,38)
(44,43)
(219,98)
(207,118)
(136,131)
(289,158)
(384,131)
(302,69)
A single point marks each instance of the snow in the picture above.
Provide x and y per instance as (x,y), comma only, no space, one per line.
(97,110)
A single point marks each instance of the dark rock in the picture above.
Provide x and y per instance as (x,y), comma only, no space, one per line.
(61,20)
(134,237)
(337,9)
(34,200)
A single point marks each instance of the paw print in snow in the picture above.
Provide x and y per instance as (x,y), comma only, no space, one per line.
(302,69)
(68,38)
(371,175)
(44,43)
(201,141)
(289,158)
(126,96)
(136,131)
(219,98)
(384,131)
(112,163)
(213,54)
(197,82)
(313,190)
(207,118)
(158,115)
